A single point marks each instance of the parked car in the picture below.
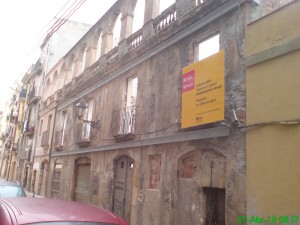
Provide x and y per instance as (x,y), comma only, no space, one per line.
(45,211)
(11,189)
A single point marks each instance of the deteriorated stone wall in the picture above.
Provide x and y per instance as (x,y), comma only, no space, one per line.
(170,180)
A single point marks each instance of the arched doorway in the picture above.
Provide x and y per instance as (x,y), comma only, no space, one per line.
(201,173)
(43,175)
(124,166)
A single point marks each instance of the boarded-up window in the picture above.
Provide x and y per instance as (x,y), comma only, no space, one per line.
(155,165)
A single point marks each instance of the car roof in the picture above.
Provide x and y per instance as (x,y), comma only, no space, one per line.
(32,210)
(8,183)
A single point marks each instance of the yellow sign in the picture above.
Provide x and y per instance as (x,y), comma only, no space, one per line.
(203,91)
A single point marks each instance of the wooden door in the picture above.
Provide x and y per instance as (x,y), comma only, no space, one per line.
(122,187)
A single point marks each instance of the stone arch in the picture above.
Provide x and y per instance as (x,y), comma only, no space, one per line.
(117,31)
(48,83)
(138,13)
(82,58)
(164,4)
(71,68)
(202,174)
(97,43)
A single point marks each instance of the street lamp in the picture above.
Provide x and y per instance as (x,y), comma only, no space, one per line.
(80,110)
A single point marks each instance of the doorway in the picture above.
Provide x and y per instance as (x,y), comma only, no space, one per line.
(123,186)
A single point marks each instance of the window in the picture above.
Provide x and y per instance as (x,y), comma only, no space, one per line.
(208,47)
(86,128)
(41,127)
(61,132)
(131,91)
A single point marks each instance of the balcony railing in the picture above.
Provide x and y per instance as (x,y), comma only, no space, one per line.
(32,96)
(45,139)
(135,39)
(123,121)
(167,17)
(82,137)
(112,55)
(28,129)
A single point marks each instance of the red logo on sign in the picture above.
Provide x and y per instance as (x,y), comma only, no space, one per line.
(188,81)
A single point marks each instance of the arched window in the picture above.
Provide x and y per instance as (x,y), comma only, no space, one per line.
(48,84)
(138,20)
(72,67)
(116,32)
(84,59)
(98,44)
(164,4)
(186,166)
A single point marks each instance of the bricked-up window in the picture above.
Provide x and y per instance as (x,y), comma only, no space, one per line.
(186,166)
(155,166)
(208,47)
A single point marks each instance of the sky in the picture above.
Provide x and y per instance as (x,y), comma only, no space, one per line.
(23,25)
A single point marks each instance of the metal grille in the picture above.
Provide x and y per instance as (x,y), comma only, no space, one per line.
(123,120)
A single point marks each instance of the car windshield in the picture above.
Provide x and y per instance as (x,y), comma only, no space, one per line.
(11,191)
(71,223)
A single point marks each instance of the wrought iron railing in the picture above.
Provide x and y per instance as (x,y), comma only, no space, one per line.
(123,121)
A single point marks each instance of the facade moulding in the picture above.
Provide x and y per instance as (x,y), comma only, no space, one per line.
(274,52)
(214,15)
(179,137)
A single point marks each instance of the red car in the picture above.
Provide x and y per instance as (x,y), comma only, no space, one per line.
(43,211)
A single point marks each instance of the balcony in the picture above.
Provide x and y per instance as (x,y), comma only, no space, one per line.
(38,67)
(29,129)
(59,140)
(82,135)
(165,18)
(32,98)
(123,122)
(45,140)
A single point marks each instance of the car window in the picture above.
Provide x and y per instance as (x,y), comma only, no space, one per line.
(70,223)
(11,191)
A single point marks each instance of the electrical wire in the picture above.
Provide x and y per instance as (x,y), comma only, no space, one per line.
(59,22)
(109,139)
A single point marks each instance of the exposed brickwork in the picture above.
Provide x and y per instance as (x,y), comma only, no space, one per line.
(155,165)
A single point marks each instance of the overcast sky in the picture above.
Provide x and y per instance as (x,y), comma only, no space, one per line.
(23,23)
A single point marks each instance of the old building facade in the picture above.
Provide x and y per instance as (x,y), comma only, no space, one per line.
(134,158)
(129,151)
